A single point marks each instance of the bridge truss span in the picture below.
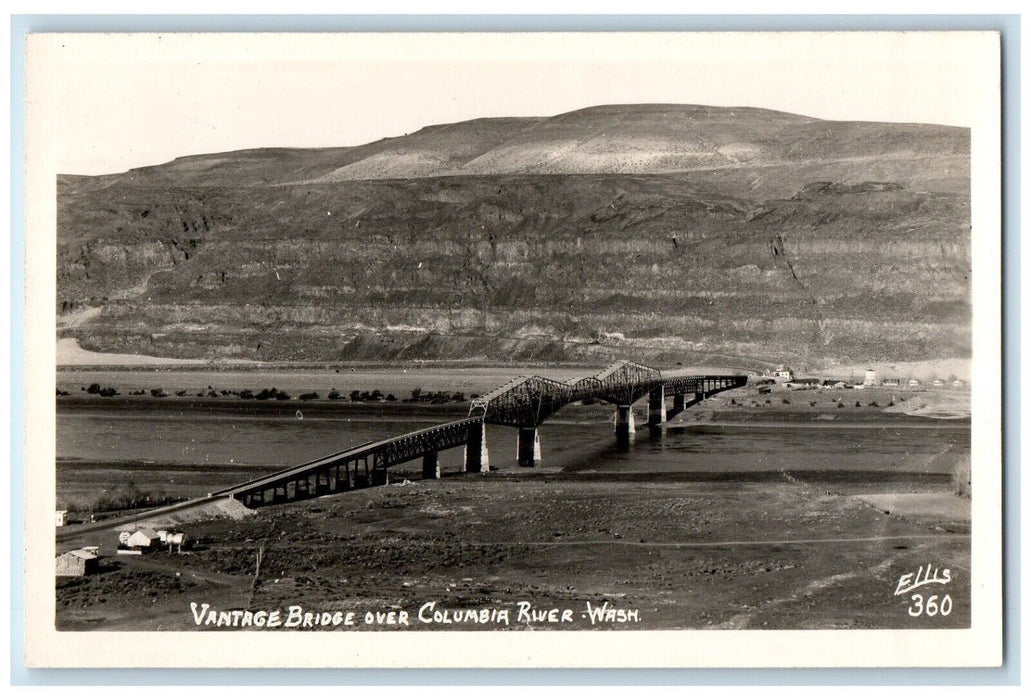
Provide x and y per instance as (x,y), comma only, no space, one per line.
(523,402)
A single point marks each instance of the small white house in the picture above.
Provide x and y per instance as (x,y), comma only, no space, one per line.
(144,538)
(914,382)
(870,378)
(783,373)
(61,518)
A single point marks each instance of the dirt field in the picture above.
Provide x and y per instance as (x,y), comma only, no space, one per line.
(772,551)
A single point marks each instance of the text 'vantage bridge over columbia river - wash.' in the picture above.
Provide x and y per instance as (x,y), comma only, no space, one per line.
(523,402)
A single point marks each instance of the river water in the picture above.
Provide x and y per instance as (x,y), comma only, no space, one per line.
(175,437)
(193,450)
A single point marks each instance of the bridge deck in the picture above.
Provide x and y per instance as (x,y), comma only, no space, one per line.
(426,440)
(522,402)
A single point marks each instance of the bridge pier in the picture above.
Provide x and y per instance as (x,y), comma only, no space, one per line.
(380,477)
(343,481)
(431,465)
(529,447)
(657,406)
(625,427)
(679,402)
(477,458)
(322,485)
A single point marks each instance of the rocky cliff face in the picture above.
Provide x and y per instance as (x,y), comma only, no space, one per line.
(659,232)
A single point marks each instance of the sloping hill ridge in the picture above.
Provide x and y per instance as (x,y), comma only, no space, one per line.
(663,232)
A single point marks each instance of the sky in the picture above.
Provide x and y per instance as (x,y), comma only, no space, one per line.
(120,101)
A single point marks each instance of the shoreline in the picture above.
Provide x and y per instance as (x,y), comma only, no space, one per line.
(851,417)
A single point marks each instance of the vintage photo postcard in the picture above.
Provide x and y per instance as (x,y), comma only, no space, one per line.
(513,350)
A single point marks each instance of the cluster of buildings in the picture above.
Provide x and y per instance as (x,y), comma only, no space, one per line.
(86,560)
(146,539)
(784,375)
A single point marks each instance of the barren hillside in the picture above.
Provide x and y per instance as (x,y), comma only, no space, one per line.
(662,232)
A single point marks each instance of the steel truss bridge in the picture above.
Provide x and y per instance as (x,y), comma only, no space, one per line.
(524,402)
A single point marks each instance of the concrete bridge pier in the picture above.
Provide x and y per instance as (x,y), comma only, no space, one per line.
(380,476)
(322,485)
(431,465)
(529,447)
(625,427)
(477,458)
(343,479)
(278,494)
(657,406)
(679,402)
(699,396)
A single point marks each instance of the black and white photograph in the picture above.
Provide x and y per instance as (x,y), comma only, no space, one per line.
(393,335)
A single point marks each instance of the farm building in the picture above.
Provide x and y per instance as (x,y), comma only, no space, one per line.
(870,378)
(914,382)
(144,538)
(61,518)
(78,562)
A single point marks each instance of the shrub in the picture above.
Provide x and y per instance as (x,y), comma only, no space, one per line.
(356,395)
(109,391)
(874,404)
(416,392)
(391,397)
(94,388)
(841,405)
(246,394)
(212,394)
(158,393)
(334,394)
(309,396)
(858,405)
(181,393)
(458,396)
(785,401)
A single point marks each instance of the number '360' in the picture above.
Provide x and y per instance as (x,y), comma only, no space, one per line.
(931,606)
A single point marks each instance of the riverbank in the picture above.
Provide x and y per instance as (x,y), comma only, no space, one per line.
(786,552)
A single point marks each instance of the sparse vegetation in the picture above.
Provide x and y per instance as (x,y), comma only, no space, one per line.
(122,498)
